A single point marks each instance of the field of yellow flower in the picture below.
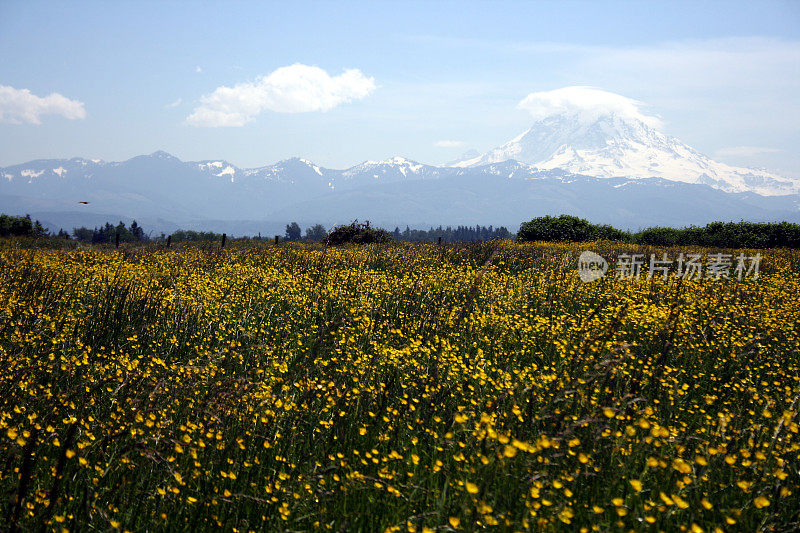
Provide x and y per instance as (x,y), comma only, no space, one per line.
(403,387)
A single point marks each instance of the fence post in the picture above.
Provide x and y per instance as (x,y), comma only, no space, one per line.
(440,240)
(169,240)
(116,241)
(276,239)
(224,237)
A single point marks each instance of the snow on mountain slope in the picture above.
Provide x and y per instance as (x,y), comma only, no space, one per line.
(595,133)
(290,172)
(220,169)
(390,170)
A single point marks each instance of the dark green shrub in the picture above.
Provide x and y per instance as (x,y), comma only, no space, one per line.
(195,236)
(566,228)
(658,236)
(358,234)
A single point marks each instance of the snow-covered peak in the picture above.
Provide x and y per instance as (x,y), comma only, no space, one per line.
(292,170)
(296,162)
(317,169)
(220,169)
(617,144)
(397,161)
(392,161)
(393,165)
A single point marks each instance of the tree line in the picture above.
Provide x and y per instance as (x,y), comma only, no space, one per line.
(475,233)
(16,226)
(448,234)
(110,233)
(567,228)
(563,228)
(23,226)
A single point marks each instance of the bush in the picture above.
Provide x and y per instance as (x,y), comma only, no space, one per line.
(195,236)
(566,228)
(358,234)
(659,236)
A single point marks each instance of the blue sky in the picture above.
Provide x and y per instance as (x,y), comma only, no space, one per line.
(431,80)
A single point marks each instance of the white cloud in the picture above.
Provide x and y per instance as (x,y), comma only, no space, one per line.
(18,106)
(176,103)
(198,69)
(745,151)
(449,144)
(586,102)
(294,89)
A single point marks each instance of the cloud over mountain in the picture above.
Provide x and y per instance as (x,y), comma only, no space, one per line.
(19,106)
(588,131)
(296,88)
(585,103)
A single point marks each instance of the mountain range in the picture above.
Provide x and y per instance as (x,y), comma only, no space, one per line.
(611,169)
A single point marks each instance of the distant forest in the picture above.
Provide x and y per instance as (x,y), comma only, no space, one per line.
(563,228)
(448,234)
(458,234)
(108,233)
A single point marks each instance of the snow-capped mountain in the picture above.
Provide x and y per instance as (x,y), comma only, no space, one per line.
(302,171)
(611,144)
(162,185)
(164,193)
(390,170)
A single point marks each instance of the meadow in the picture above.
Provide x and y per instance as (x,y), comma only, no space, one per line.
(396,387)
